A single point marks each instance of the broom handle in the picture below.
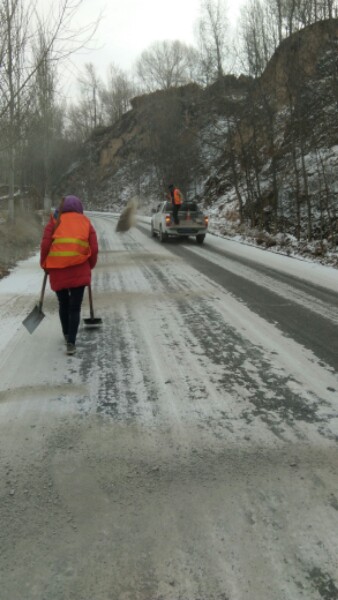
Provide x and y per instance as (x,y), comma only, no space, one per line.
(43,290)
(90,302)
(46,273)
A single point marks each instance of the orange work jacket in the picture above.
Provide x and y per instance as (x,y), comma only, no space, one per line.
(177,196)
(70,245)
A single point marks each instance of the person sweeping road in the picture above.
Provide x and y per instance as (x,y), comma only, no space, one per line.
(68,252)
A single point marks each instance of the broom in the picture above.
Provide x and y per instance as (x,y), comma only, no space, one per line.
(127,217)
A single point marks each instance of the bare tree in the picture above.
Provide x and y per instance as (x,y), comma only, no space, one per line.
(311,11)
(79,122)
(259,35)
(265,23)
(299,117)
(14,34)
(212,37)
(90,88)
(45,109)
(164,65)
(233,125)
(21,24)
(116,95)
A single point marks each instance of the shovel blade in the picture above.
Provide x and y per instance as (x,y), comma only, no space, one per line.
(33,319)
(92,323)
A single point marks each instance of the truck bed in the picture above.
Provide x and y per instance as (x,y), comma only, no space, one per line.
(192,221)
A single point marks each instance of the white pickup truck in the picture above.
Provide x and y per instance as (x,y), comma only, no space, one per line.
(192,222)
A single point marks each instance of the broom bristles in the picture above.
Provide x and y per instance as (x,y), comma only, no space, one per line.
(127,218)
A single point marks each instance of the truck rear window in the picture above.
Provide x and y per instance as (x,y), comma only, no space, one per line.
(191,206)
(185,206)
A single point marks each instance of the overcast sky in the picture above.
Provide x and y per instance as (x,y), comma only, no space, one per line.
(128,27)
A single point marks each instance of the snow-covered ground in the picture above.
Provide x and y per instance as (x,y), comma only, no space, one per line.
(189,448)
(298,266)
(27,277)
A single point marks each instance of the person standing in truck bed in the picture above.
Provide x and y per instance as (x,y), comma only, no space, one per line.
(176,200)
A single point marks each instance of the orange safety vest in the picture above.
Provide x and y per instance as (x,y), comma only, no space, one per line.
(70,245)
(178,198)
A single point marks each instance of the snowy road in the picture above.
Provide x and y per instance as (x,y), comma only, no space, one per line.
(188,451)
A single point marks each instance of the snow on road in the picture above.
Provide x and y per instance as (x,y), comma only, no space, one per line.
(188,450)
(298,267)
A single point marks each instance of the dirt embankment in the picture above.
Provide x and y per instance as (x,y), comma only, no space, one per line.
(19,239)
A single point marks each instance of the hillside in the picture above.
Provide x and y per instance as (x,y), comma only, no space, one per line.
(261,154)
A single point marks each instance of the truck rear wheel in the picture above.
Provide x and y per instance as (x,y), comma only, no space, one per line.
(163,236)
(200,238)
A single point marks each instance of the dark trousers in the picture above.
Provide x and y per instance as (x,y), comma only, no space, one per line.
(70,301)
(176,208)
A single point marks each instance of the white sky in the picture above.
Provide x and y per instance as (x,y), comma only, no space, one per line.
(128,27)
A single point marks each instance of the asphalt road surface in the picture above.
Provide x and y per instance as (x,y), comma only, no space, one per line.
(188,451)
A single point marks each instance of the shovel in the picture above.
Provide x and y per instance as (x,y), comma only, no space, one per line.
(36,315)
(92,322)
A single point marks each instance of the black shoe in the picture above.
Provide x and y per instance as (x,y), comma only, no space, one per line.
(71,348)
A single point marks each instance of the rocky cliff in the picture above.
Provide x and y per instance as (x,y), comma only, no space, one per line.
(262,152)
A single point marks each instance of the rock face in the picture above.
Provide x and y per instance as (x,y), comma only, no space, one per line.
(300,57)
(253,146)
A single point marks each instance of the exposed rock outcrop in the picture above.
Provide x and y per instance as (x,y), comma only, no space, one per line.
(254,146)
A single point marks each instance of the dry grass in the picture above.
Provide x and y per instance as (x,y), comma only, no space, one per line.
(19,239)
(232,216)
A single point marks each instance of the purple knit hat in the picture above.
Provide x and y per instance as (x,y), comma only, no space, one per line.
(72,204)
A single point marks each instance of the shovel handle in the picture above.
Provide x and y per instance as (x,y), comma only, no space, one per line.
(43,291)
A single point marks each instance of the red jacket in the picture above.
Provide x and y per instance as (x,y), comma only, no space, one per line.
(68,277)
